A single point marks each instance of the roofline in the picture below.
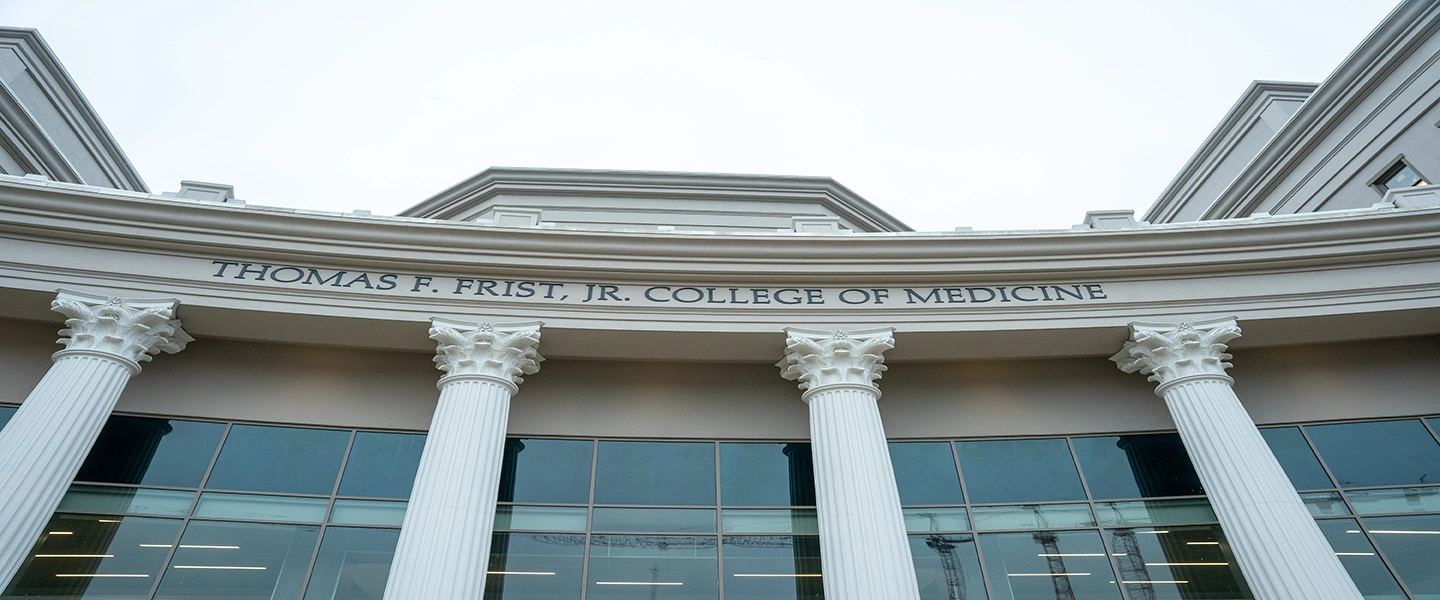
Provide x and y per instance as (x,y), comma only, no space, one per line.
(1256,97)
(1392,41)
(601,183)
(118,165)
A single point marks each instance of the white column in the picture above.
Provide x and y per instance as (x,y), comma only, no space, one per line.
(444,543)
(1275,540)
(47,439)
(863,548)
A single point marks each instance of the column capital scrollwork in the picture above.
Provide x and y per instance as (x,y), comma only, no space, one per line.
(501,351)
(1171,352)
(125,328)
(820,359)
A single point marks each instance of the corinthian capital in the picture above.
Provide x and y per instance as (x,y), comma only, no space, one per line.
(821,358)
(1167,352)
(503,351)
(122,327)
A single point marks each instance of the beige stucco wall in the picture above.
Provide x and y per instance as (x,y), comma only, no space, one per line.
(396,390)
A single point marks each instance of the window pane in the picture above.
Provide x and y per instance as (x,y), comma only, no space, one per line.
(766,475)
(654,567)
(1032,516)
(1297,458)
(95,556)
(1019,471)
(534,567)
(1155,512)
(382,465)
(1324,504)
(279,459)
(1358,556)
(542,518)
(548,471)
(654,520)
(146,451)
(119,501)
(368,512)
(770,521)
(772,568)
(239,561)
(1177,563)
(5,413)
(1034,566)
(920,520)
(1403,500)
(925,473)
(947,567)
(1378,453)
(261,508)
(1411,544)
(353,564)
(655,473)
(1137,466)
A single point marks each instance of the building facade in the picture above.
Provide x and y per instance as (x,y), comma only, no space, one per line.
(562,384)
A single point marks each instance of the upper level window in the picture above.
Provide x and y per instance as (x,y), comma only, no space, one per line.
(1400,176)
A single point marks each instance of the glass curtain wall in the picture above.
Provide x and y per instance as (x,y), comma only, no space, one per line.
(180,509)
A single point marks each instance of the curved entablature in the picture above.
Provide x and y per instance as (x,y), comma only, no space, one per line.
(353,280)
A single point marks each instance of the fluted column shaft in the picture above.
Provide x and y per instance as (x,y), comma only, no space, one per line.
(45,443)
(445,540)
(864,552)
(48,438)
(444,545)
(1276,542)
(863,548)
(1281,550)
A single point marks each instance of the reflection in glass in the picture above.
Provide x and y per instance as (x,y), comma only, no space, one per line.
(368,512)
(1177,563)
(382,465)
(534,566)
(750,520)
(5,413)
(238,561)
(919,520)
(279,459)
(1045,565)
(149,451)
(946,567)
(1324,504)
(1411,544)
(1296,458)
(758,474)
(1032,516)
(1400,500)
(925,473)
(654,520)
(122,501)
(656,567)
(1358,556)
(1137,466)
(1019,471)
(100,557)
(655,473)
(353,564)
(1378,453)
(1155,512)
(547,471)
(772,567)
(541,518)
(262,508)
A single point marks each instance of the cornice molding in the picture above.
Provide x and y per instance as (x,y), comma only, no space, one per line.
(456,201)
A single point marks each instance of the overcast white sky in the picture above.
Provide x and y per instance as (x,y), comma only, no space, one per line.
(997,115)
